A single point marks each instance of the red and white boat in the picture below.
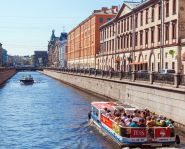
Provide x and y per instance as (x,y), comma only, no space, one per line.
(129,136)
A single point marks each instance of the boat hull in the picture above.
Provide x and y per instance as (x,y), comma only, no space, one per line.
(125,142)
(27,81)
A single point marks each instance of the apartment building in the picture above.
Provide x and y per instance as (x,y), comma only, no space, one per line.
(84,39)
(144,36)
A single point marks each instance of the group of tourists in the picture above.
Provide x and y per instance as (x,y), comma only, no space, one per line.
(138,118)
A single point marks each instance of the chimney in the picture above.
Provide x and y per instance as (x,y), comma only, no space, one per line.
(97,11)
(104,9)
(114,9)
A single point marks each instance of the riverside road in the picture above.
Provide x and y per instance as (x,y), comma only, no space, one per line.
(47,115)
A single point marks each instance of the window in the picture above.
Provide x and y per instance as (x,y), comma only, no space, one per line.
(112,44)
(118,27)
(131,23)
(153,9)
(174,6)
(110,31)
(167,32)
(159,33)
(145,57)
(136,20)
(146,37)
(118,41)
(128,24)
(130,40)
(121,42)
(152,34)
(167,8)
(127,41)
(136,38)
(101,20)
(166,65)
(174,30)
(108,19)
(173,65)
(146,16)
(141,37)
(166,54)
(141,21)
(159,10)
(159,55)
(124,25)
(158,66)
(124,42)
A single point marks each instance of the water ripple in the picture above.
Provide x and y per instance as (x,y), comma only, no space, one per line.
(46,115)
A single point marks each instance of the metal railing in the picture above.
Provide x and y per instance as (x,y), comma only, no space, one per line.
(142,76)
(169,79)
(165,79)
(182,80)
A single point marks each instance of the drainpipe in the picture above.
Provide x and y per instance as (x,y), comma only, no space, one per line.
(162,35)
(133,40)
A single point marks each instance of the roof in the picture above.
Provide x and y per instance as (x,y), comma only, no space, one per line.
(107,11)
(102,105)
(132,5)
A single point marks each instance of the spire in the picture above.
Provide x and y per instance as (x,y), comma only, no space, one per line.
(0,45)
(53,35)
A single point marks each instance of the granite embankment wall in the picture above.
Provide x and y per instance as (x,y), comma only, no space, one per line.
(6,74)
(168,101)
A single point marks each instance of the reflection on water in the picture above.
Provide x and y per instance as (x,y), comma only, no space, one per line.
(47,115)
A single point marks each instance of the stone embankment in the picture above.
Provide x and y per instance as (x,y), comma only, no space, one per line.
(165,100)
(5,74)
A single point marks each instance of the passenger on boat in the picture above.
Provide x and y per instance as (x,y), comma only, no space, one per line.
(133,123)
(150,122)
(142,122)
(127,120)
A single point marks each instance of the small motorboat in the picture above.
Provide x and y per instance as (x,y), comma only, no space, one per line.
(27,79)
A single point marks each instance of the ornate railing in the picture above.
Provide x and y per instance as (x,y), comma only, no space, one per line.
(170,79)
(164,78)
(142,76)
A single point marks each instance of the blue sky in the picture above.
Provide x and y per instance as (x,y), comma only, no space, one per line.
(26,25)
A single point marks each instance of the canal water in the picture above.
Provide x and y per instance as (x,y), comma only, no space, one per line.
(47,115)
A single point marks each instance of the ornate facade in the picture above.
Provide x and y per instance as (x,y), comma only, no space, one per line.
(144,36)
(54,47)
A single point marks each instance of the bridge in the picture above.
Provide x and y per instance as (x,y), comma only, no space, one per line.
(28,68)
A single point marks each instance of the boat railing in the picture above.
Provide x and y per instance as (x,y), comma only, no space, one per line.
(139,132)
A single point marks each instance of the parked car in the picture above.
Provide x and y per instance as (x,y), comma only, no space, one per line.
(143,71)
(142,74)
(167,71)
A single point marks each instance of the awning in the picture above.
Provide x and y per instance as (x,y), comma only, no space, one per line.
(137,63)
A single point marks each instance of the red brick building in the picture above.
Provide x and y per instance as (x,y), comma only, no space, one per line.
(83,40)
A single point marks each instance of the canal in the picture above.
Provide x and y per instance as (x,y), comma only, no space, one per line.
(47,115)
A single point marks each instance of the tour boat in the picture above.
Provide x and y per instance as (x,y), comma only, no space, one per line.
(129,136)
(27,79)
